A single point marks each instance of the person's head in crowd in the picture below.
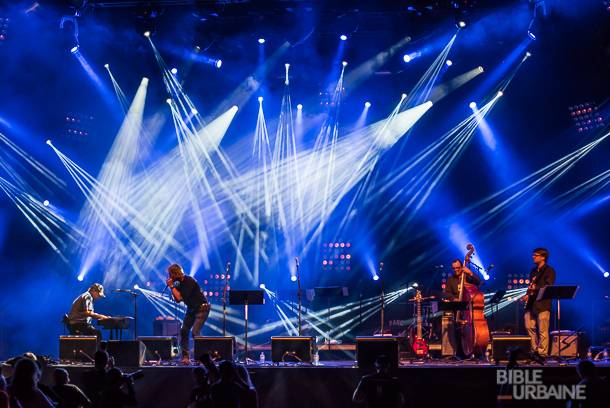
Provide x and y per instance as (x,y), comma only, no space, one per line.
(114,377)
(2,383)
(101,358)
(30,355)
(586,369)
(226,370)
(26,375)
(60,376)
(382,364)
(242,373)
(200,375)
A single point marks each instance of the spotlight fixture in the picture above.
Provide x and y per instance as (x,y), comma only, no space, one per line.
(74,49)
(481,69)
(403,96)
(606,274)
(406,58)
(218,63)
(375,277)
(531,35)
(500,93)
(343,37)
(194,111)
(146,34)
(449,63)
(528,54)
(169,100)
(461,24)
(262,286)
(49,142)
(300,107)
(106,66)
(344,63)
(472,105)
(261,40)
(367,104)
(80,278)
(293,278)
(45,203)
(174,71)
(260,99)
(136,286)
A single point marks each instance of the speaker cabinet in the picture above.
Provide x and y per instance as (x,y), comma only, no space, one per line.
(126,353)
(219,347)
(291,349)
(572,344)
(159,347)
(369,348)
(502,343)
(77,348)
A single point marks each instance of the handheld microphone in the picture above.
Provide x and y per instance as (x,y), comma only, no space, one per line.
(296,260)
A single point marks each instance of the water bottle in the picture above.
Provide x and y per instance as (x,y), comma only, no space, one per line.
(605,354)
(487,356)
(316,358)
(261,358)
(589,354)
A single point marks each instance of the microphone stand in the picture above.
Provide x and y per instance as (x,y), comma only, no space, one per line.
(298,291)
(135,309)
(224,299)
(382,297)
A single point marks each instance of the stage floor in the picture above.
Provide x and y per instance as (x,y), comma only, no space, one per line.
(430,383)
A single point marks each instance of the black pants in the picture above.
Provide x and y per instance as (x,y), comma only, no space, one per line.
(84,329)
(194,319)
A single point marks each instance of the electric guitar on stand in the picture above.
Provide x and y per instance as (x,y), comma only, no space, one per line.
(420,347)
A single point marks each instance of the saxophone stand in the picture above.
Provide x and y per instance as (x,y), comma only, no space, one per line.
(246,298)
(557,292)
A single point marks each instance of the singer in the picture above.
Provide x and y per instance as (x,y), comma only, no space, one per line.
(186,289)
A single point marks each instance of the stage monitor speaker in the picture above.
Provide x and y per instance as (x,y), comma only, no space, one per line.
(293,349)
(502,343)
(368,348)
(219,347)
(572,344)
(159,347)
(77,348)
(166,326)
(126,353)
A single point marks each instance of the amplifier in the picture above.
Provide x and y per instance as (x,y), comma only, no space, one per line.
(126,353)
(502,343)
(369,348)
(166,326)
(291,349)
(219,347)
(572,344)
(160,347)
(77,348)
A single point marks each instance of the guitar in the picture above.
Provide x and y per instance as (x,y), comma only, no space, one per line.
(420,347)
(529,296)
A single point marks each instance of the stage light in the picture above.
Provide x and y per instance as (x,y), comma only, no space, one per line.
(403,96)
(194,111)
(45,203)
(293,278)
(344,63)
(80,278)
(528,54)
(415,284)
(472,105)
(261,40)
(375,277)
(262,286)
(461,24)
(136,286)
(606,274)
(168,100)
(449,63)
(74,49)
(531,35)
(343,37)
(174,71)
(500,93)
(406,58)
(106,66)
(146,34)
(300,107)
(49,142)
(218,63)
(367,104)
(481,69)
(260,99)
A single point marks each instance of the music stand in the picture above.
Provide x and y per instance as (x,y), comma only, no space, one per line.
(557,292)
(329,293)
(246,297)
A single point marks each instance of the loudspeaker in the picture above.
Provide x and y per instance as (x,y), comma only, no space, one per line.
(501,343)
(77,348)
(159,347)
(166,326)
(219,347)
(369,348)
(572,344)
(126,353)
(291,349)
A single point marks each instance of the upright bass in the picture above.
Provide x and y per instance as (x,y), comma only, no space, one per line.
(475,332)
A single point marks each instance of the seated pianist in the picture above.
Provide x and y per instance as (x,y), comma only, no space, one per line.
(81,312)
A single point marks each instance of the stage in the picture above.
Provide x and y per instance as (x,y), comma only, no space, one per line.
(331,384)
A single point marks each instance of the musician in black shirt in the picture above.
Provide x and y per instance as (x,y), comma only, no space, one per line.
(81,312)
(538,312)
(452,286)
(186,289)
